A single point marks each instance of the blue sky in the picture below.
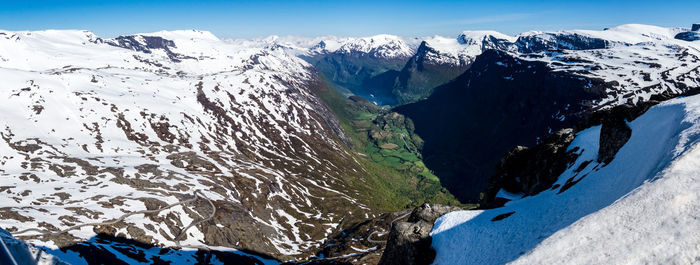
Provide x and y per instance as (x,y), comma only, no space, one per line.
(245,19)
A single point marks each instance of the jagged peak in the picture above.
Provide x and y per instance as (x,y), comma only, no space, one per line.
(382,45)
(479,35)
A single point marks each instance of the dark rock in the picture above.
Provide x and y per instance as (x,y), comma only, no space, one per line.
(420,75)
(146,44)
(430,212)
(696,27)
(558,41)
(484,115)
(614,133)
(488,42)
(688,36)
(409,242)
(531,170)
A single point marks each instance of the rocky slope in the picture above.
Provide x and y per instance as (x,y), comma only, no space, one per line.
(439,60)
(170,139)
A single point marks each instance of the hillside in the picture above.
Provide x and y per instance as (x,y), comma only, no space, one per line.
(638,208)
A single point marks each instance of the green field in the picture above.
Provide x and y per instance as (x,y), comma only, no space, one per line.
(398,177)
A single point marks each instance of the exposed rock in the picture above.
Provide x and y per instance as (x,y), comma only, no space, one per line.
(146,44)
(614,132)
(688,36)
(555,41)
(696,27)
(430,212)
(529,171)
(613,135)
(409,242)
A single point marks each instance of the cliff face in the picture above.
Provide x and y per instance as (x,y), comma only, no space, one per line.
(499,103)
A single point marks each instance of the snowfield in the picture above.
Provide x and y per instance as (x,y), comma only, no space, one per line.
(641,208)
(96,128)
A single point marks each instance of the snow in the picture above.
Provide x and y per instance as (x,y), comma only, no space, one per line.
(22,253)
(639,209)
(71,94)
(463,49)
(633,33)
(383,46)
(640,61)
(479,35)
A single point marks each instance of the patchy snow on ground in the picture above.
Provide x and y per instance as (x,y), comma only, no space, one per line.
(642,208)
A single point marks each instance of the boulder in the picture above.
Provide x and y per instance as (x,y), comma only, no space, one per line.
(409,242)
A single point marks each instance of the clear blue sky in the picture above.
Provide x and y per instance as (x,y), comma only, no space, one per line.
(245,19)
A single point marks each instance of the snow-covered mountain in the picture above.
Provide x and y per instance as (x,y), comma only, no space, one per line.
(463,49)
(224,143)
(640,208)
(378,46)
(180,139)
(635,62)
(532,94)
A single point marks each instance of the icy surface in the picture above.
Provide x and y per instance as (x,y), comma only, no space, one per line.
(642,208)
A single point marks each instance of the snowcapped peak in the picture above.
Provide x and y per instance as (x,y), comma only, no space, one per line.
(383,45)
(470,36)
(463,49)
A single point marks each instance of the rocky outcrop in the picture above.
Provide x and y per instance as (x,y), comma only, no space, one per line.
(614,133)
(409,242)
(688,36)
(556,41)
(529,171)
(692,35)
(146,44)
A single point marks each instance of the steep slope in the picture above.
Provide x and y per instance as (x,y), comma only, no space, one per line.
(439,59)
(483,115)
(172,139)
(639,208)
(355,63)
(508,98)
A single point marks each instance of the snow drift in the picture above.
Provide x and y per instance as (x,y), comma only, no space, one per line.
(642,207)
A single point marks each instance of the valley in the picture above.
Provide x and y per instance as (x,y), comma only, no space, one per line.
(178,147)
